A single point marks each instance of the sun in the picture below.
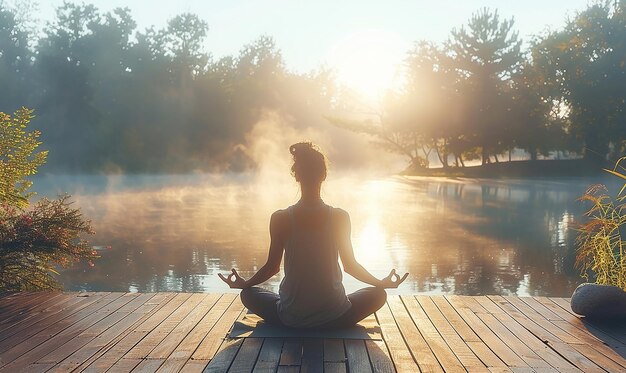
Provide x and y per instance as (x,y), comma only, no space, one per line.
(369,61)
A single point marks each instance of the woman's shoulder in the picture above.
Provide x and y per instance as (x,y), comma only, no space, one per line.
(339,213)
(281,214)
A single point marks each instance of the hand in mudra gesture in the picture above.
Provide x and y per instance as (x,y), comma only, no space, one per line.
(393,280)
(233,280)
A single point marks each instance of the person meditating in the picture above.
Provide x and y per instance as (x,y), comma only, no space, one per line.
(313,235)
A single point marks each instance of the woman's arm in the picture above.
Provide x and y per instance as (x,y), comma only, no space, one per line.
(350,264)
(272,265)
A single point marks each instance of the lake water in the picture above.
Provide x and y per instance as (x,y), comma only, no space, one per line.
(454,236)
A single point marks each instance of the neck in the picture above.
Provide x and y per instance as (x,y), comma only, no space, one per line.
(310,193)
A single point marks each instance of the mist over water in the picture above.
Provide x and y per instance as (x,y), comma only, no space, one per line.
(175,233)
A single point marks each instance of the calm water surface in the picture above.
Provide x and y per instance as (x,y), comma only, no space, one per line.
(454,236)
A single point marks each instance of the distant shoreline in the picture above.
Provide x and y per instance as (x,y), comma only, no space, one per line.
(539,168)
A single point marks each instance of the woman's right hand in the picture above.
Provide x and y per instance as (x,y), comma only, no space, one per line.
(393,280)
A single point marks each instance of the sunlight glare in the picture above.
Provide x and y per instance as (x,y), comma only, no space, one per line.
(368,61)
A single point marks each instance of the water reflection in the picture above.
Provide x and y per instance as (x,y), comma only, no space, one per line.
(454,236)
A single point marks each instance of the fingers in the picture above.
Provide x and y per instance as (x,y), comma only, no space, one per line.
(403,278)
(225,279)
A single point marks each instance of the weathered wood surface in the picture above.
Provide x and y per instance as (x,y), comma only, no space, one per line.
(182,332)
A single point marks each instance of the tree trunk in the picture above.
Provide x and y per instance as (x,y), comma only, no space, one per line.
(485,156)
(496,158)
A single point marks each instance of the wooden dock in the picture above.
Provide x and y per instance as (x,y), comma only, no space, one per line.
(172,332)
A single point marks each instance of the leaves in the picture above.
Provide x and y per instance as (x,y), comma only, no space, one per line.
(34,241)
(601,249)
(18,157)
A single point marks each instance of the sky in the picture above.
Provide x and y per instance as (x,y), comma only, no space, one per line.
(334,33)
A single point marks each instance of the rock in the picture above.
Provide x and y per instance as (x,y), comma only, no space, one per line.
(599,301)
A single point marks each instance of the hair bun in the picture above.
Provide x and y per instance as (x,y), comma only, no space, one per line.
(298,148)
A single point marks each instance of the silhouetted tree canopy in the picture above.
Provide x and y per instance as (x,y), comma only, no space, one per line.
(112,98)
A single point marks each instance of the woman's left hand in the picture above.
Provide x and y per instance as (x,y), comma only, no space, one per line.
(393,280)
(233,280)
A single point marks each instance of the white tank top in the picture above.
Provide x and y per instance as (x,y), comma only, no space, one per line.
(311,293)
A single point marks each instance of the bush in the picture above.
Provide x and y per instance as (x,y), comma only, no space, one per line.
(601,249)
(34,241)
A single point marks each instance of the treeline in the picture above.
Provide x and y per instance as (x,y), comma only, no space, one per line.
(479,96)
(109,97)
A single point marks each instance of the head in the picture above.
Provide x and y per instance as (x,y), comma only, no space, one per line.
(309,164)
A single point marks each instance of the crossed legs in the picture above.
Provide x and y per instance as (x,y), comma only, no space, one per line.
(364,302)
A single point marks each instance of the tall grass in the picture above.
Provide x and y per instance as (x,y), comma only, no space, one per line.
(601,249)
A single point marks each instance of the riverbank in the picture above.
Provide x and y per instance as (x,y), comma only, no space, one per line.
(540,168)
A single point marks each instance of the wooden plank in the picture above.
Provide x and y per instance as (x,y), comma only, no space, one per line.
(334,351)
(467,334)
(502,350)
(210,344)
(540,308)
(358,360)
(462,351)
(535,323)
(56,334)
(171,365)
(41,305)
(176,336)
(60,340)
(246,357)
(48,324)
(529,356)
(289,369)
(74,344)
(96,346)
(269,357)
(331,367)
(418,346)
(399,351)
(291,353)
(312,355)
(125,365)
(461,327)
(567,347)
(525,333)
(446,358)
(93,347)
(190,343)
(21,303)
(104,343)
(224,357)
(147,365)
(142,349)
(618,364)
(564,304)
(116,350)
(583,330)
(379,356)
(194,366)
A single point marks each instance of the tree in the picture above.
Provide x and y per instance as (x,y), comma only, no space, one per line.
(15,59)
(35,241)
(585,63)
(183,40)
(18,158)
(487,55)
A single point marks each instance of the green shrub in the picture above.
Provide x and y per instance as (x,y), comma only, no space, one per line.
(35,240)
(601,249)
